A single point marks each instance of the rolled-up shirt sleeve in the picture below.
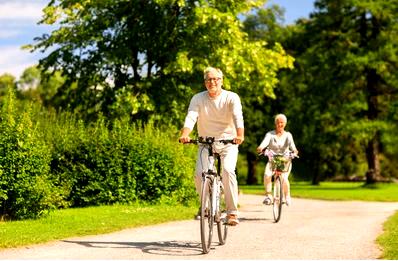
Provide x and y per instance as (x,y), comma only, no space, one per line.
(237,112)
(192,115)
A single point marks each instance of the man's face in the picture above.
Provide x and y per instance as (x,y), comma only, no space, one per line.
(213,83)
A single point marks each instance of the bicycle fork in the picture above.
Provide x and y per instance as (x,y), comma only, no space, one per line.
(214,193)
(216,198)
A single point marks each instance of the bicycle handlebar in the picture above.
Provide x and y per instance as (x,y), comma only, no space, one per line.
(270,153)
(210,140)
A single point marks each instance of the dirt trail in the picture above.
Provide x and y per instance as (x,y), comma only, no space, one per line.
(309,229)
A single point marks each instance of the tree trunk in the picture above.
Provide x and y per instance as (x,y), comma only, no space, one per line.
(372,149)
(372,156)
(251,168)
(316,178)
(373,81)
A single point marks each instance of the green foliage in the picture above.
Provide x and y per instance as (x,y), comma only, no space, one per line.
(7,81)
(341,96)
(25,191)
(263,28)
(122,57)
(101,163)
(30,78)
(59,161)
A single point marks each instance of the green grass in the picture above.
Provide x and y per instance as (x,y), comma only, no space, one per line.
(65,223)
(350,191)
(385,192)
(389,240)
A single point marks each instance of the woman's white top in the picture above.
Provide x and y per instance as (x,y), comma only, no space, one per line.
(278,144)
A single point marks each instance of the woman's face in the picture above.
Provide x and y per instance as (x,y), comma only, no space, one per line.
(280,124)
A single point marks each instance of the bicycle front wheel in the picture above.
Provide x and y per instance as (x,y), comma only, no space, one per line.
(278,199)
(221,219)
(206,217)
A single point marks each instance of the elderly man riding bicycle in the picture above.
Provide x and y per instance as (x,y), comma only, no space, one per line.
(218,113)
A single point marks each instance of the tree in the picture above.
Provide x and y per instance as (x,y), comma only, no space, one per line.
(147,57)
(28,83)
(265,24)
(348,63)
(30,78)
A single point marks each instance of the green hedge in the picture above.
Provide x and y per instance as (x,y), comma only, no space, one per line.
(25,190)
(60,161)
(122,163)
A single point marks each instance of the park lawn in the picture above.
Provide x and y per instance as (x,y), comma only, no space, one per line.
(385,192)
(73,222)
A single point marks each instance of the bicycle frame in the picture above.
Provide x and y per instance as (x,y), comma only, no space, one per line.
(213,173)
(211,190)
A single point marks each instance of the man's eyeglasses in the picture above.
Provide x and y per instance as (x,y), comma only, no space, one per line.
(213,79)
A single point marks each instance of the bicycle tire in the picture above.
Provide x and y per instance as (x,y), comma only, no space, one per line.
(206,217)
(222,226)
(278,199)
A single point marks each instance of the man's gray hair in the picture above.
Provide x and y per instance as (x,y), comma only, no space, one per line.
(281,116)
(212,69)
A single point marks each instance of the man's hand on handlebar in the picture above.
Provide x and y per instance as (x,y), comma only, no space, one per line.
(184,139)
(238,140)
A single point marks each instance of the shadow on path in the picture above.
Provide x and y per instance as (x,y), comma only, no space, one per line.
(167,248)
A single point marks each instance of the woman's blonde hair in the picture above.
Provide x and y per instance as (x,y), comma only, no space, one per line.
(281,116)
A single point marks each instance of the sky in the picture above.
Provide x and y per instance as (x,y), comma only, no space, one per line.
(19,25)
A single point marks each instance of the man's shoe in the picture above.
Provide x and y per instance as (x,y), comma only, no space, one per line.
(288,201)
(267,200)
(232,220)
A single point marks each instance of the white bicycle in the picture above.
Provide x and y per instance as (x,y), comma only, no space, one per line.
(212,196)
(280,163)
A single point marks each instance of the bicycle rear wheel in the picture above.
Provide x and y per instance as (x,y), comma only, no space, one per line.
(278,199)
(206,217)
(222,226)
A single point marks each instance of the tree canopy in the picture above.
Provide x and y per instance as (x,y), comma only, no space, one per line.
(346,67)
(147,57)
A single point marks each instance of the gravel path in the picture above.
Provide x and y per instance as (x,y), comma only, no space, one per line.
(309,229)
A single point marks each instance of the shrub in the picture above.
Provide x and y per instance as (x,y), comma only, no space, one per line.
(60,161)
(25,191)
(105,163)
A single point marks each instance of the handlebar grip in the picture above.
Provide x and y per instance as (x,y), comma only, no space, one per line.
(189,142)
(227,141)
